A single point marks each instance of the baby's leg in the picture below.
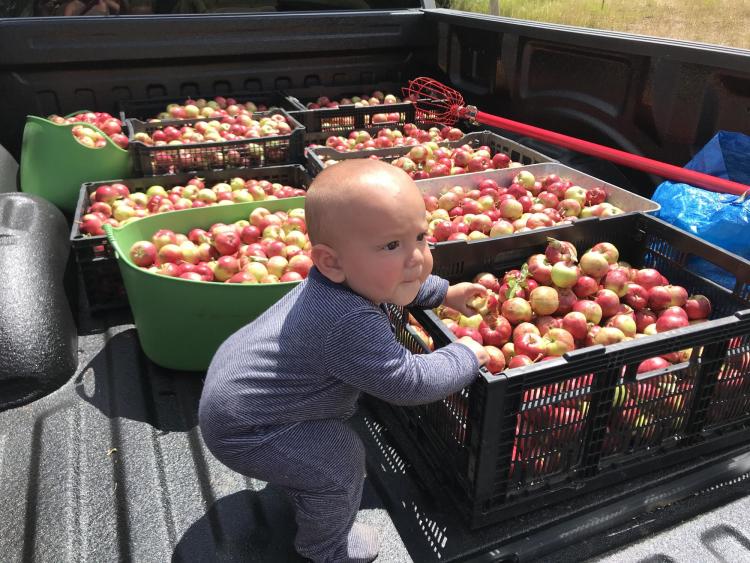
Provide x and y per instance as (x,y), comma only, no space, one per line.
(321,465)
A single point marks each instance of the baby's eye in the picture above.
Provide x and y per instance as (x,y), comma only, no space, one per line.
(393,245)
(420,237)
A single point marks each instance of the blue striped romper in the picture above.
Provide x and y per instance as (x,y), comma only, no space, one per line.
(279,391)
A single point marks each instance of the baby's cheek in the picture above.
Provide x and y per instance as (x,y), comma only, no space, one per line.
(427,264)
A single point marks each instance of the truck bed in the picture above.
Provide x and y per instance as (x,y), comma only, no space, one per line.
(112,467)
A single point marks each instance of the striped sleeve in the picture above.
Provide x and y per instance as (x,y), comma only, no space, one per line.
(360,350)
(431,294)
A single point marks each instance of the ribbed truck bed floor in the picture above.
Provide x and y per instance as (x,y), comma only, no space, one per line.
(111,467)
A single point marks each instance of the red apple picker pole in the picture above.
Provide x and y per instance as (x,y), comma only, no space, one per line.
(446,105)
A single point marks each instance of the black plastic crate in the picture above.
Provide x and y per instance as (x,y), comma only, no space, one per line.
(150,108)
(101,275)
(347,118)
(319,139)
(316,157)
(250,153)
(529,437)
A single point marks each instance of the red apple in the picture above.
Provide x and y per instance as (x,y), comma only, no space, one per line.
(609,251)
(698,307)
(643,318)
(671,318)
(143,253)
(652,364)
(576,324)
(659,298)
(608,301)
(496,363)
(617,280)
(636,296)
(585,287)
(625,323)
(648,278)
(679,295)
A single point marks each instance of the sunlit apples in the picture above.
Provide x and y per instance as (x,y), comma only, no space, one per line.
(89,137)
(486,209)
(220,253)
(116,205)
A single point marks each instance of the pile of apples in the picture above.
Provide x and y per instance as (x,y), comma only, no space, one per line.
(556,303)
(216,108)
(430,160)
(227,128)
(114,204)
(387,138)
(376,98)
(88,137)
(265,248)
(489,210)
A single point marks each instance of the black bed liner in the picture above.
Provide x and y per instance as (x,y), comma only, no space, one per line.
(112,467)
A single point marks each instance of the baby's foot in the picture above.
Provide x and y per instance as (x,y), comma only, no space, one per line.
(362,544)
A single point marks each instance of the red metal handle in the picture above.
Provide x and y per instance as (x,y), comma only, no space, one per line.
(642,163)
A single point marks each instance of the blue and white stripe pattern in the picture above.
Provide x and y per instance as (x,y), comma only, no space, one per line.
(279,390)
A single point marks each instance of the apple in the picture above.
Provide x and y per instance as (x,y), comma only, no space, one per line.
(590,309)
(531,345)
(648,278)
(625,323)
(540,269)
(576,324)
(497,333)
(594,264)
(609,251)
(559,341)
(517,310)
(659,297)
(547,322)
(652,364)
(698,307)
(519,360)
(617,281)
(496,362)
(565,274)
(143,253)
(544,300)
(488,280)
(679,295)
(636,296)
(586,286)
(643,318)
(608,335)
(608,301)
(671,318)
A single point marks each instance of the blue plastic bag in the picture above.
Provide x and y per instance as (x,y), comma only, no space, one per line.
(721,219)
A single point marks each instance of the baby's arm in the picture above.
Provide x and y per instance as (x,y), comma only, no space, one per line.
(361,350)
(435,291)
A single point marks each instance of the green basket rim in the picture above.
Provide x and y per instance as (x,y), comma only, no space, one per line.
(71,125)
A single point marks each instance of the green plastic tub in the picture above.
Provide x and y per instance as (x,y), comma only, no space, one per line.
(54,164)
(181,323)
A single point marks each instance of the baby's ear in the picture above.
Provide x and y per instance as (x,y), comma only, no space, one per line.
(327,261)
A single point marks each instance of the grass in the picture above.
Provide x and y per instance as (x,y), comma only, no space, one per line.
(721,22)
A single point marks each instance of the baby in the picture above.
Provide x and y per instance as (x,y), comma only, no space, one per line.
(279,391)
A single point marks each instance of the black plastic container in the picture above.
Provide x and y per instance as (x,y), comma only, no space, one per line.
(150,108)
(532,436)
(315,157)
(101,275)
(173,159)
(345,118)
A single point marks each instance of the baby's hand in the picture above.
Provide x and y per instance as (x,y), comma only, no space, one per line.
(460,295)
(475,347)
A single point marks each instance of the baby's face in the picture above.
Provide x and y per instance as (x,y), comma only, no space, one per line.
(382,247)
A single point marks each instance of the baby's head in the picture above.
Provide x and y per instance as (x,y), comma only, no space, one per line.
(366,221)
